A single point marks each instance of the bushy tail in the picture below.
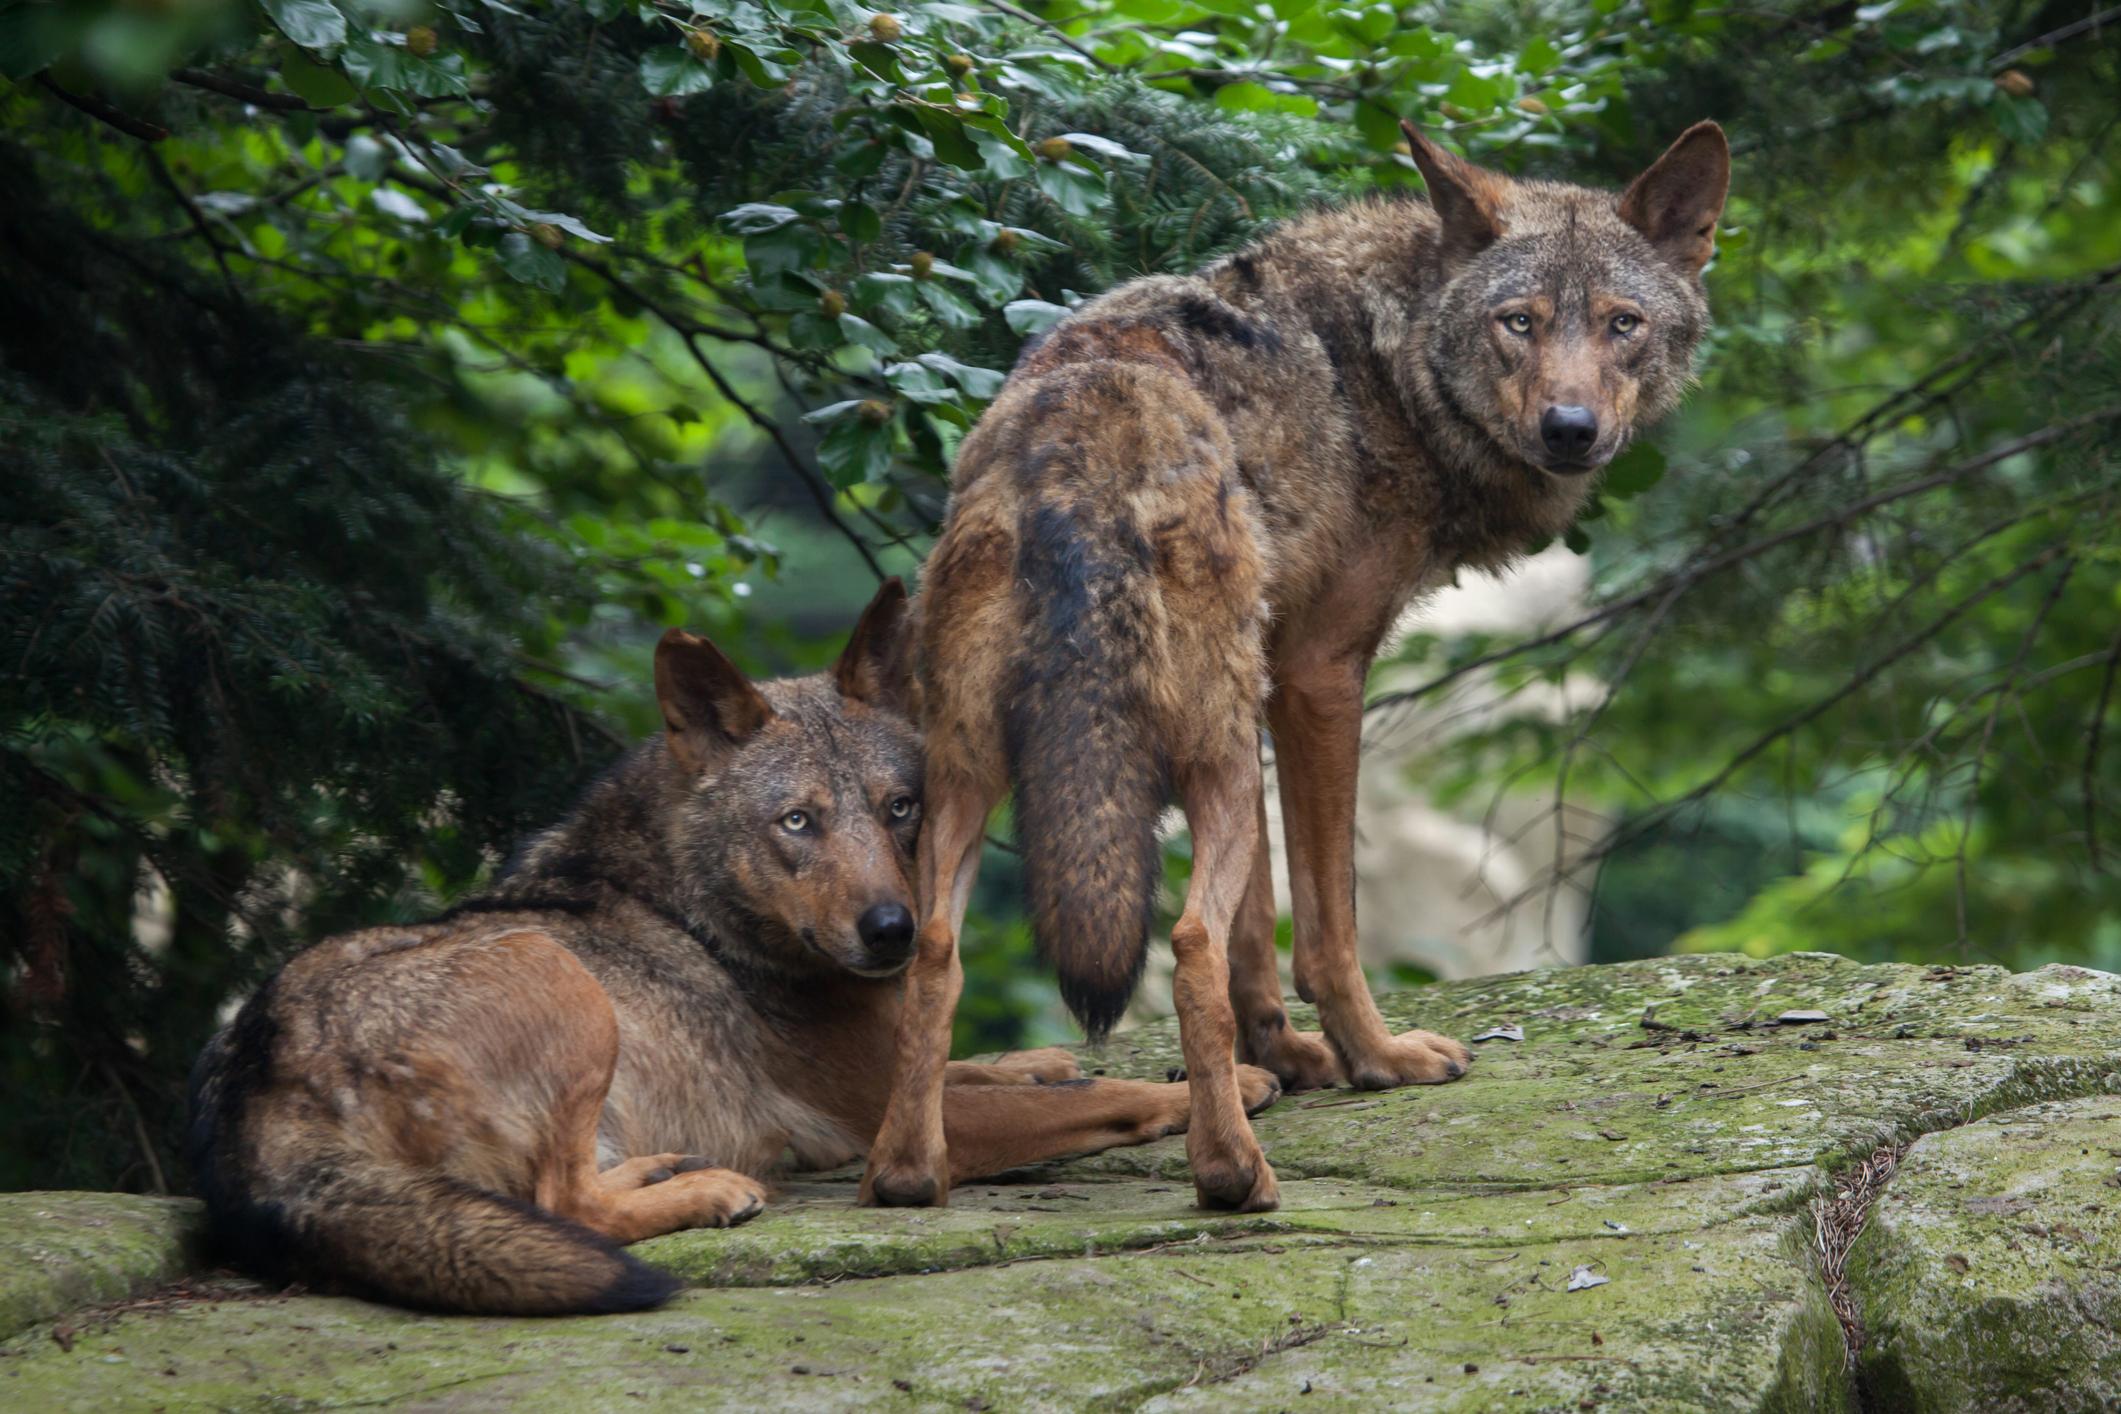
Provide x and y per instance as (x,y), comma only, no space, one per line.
(423,1240)
(415,1238)
(1089,775)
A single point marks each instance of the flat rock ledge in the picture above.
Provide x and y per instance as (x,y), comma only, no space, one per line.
(1695,1183)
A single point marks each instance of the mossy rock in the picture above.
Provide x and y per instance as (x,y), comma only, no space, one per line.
(1658,1127)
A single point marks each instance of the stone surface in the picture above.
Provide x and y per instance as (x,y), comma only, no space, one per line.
(1991,1269)
(1657,1127)
(60,1251)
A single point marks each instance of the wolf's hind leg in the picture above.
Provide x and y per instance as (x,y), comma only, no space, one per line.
(908,1161)
(1044,1066)
(546,1076)
(1221,804)
(1301,1060)
(703,1197)
(996,1128)
(649,1168)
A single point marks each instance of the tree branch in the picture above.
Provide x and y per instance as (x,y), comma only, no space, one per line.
(103,113)
(1685,576)
(243,92)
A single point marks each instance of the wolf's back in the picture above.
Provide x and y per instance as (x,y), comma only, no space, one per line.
(1089,775)
(417,1238)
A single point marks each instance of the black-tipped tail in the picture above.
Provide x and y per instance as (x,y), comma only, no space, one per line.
(1090,777)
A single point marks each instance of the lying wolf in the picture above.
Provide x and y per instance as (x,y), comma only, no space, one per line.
(1202,499)
(693,973)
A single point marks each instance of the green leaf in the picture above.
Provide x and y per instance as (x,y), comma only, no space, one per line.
(1634,471)
(1033,316)
(755,217)
(998,279)
(885,290)
(532,263)
(33,37)
(1247,97)
(878,59)
(860,331)
(919,384)
(981,383)
(764,70)
(814,332)
(860,221)
(1075,190)
(948,305)
(854,451)
(1103,147)
(2022,120)
(1379,128)
(314,24)
(318,85)
(672,72)
(952,143)
(376,65)
(833,412)
(1539,56)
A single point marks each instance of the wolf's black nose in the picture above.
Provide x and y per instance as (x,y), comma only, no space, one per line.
(1569,431)
(886,929)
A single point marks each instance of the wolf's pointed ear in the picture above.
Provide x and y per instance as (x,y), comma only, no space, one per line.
(875,666)
(708,704)
(1467,199)
(1676,202)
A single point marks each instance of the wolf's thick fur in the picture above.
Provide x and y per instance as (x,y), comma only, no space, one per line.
(692,975)
(1202,498)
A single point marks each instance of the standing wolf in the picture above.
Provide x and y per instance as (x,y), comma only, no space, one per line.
(471,1113)
(1197,497)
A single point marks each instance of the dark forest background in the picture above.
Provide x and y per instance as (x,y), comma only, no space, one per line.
(378,379)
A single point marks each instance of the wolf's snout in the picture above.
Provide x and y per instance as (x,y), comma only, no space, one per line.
(886,930)
(1569,432)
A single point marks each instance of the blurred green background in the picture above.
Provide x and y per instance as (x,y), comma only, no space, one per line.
(377,380)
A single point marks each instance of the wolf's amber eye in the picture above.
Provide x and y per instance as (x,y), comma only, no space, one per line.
(1518,322)
(902,808)
(1625,323)
(796,821)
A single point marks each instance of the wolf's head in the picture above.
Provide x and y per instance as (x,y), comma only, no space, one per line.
(1562,318)
(803,796)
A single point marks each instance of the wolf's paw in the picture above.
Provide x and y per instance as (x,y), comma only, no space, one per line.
(715,1197)
(1301,1060)
(891,1185)
(1411,1058)
(649,1168)
(1241,1181)
(1257,1087)
(1046,1065)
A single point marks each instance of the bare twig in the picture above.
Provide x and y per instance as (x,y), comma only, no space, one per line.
(2093,733)
(1686,575)
(2068,31)
(103,113)
(1988,733)
(820,491)
(1856,681)
(243,92)
(168,180)
(1049,27)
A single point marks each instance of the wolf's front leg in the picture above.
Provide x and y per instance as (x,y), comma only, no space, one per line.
(1316,714)
(909,1164)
